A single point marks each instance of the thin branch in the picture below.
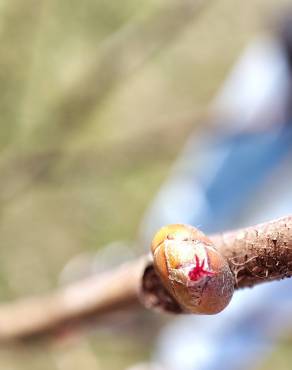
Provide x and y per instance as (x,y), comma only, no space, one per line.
(50,314)
(256,254)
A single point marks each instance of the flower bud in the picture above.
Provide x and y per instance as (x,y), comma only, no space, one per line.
(196,275)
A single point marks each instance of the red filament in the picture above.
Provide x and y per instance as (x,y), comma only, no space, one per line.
(198,271)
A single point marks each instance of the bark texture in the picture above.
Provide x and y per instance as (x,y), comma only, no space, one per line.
(259,253)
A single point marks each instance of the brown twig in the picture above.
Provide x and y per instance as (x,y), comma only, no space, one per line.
(256,254)
(260,253)
(52,313)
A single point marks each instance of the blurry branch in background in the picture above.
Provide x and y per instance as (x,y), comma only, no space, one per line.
(123,53)
(256,254)
(119,56)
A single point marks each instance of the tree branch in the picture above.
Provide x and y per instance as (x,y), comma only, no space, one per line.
(260,253)
(50,314)
(256,254)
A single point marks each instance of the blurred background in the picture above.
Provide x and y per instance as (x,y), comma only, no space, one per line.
(97,99)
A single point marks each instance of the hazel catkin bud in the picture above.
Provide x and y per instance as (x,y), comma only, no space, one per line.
(196,275)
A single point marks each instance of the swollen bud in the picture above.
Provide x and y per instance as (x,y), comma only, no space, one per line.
(195,274)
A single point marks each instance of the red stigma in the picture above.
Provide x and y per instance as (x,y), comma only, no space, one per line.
(198,271)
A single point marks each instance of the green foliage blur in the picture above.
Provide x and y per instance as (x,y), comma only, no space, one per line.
(96,99)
